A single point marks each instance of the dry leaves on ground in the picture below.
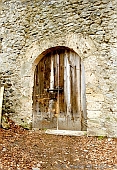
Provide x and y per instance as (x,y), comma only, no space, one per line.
(34,150)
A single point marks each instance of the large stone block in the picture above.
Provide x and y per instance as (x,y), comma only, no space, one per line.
(94,106)
(94,114)
(95,128)
(95,97)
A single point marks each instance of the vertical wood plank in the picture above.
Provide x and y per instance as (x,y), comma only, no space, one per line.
(65,83)
(68,89)
(52,72)
(1,99)
(73,83)
(40,77)
(51,101)
(34,92)
(47,79)
(58,79)
(78,84)
(61,81)
(56,70)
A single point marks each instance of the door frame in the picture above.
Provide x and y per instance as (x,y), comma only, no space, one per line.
(83,105)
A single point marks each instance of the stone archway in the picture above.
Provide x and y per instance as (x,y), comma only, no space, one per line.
(59,100)
(82,45)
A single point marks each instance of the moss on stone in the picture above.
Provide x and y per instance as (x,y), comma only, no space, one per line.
(26,125)
(5,122)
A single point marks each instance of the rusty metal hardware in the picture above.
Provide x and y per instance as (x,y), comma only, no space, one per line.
(58,89)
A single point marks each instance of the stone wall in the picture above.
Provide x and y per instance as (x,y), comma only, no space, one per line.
(28,28)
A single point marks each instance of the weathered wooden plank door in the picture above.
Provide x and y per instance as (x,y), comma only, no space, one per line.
(58,82)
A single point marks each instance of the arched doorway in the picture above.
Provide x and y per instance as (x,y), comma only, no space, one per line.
(59,91)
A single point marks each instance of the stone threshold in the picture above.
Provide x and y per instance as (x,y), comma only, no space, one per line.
(66,132)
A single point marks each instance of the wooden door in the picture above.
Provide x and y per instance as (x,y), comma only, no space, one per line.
(58,82)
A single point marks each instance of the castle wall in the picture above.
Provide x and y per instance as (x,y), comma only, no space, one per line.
(28,28)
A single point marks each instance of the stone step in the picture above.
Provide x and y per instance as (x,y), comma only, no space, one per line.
(66,132)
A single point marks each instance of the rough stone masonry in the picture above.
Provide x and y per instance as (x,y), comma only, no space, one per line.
(89,27)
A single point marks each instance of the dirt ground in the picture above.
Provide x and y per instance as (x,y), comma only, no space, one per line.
(34,150)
